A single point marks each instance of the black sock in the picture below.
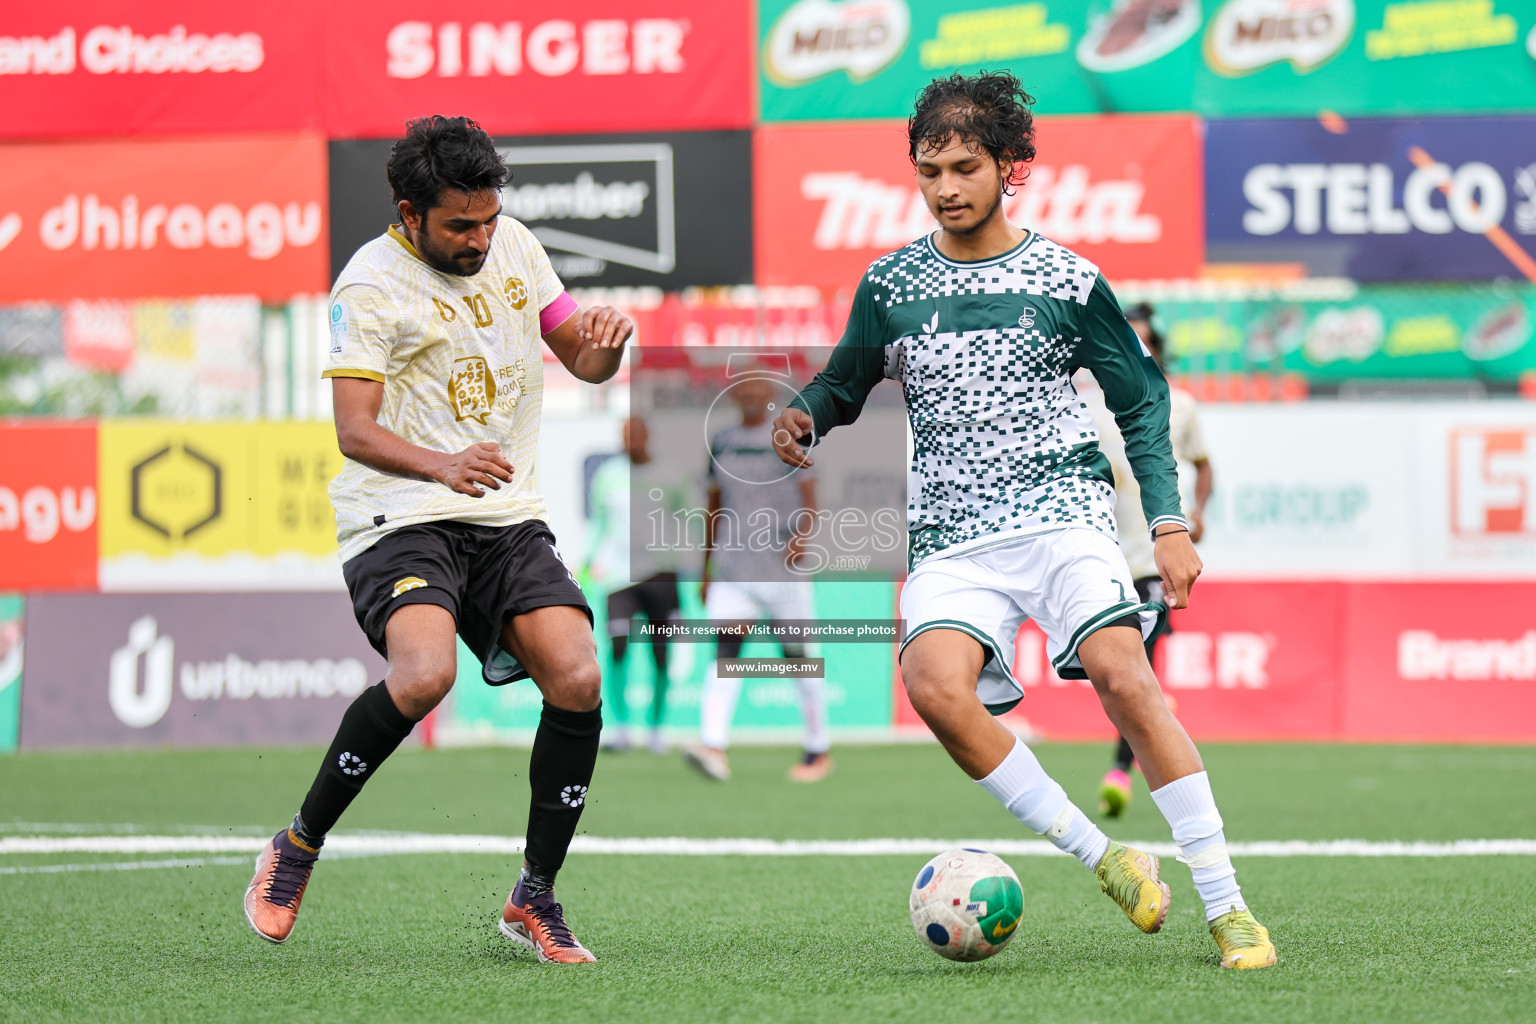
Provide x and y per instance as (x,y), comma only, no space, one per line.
(559,772)
(371,728)
(1123,755)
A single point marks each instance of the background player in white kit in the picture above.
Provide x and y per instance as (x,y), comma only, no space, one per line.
(745,582)
(1189,452)
(1012,511)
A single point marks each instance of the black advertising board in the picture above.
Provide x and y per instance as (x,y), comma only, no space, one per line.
(670,210)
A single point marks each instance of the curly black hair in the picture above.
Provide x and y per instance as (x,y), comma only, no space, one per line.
(438,153)
(989,109)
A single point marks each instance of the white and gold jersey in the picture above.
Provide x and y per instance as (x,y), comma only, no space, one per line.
(461,361)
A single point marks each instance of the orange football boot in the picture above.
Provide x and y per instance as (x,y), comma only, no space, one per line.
(538,922)
(282,872)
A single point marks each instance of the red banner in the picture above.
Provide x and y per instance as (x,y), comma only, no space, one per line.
(1440,662)
(217,216)
(47,506)
(101,67)
(1124,192)
(1430,662)
(526,68)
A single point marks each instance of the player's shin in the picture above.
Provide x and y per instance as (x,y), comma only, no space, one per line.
(371,728)
(1190,808)
(1021,785)
(559,772)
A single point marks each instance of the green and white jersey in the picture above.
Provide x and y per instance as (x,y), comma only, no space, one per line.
(985,352)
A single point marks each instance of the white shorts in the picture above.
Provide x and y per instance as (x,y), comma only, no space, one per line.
(749,602)
(1071,582)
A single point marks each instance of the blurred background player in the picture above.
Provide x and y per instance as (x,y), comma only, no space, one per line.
(608,566)
(746,580)
(1189,452)
(437,369)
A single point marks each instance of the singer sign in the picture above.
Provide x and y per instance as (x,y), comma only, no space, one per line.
(1124,192)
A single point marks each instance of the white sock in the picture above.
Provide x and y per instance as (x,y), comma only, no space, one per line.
(1036,799)
(717,707)
(813,711)
(1190,808)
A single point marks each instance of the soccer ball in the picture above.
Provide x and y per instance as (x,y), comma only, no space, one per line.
(966,904)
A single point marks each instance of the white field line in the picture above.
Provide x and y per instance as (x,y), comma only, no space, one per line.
(420,842)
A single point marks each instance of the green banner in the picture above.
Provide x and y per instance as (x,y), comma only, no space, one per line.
(845,59)
(1449,332)
(858,679)
(11,623)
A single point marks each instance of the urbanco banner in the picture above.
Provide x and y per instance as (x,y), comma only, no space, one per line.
(48,502)
(538,67)
(190,670)
(665,210)
(100,67)
(824,59)
(1386,199)
(1124,192)
(219,215)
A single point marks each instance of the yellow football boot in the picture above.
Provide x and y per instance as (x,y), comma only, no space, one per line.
(1244,943)
(1130,878)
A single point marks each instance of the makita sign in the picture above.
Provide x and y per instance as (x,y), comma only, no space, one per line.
(831,199)
(1375,199)
(1065,205)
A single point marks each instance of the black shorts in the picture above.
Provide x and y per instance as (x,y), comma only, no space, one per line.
(655,597)
(483,575)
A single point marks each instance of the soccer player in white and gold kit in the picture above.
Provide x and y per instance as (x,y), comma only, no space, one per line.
(436,361)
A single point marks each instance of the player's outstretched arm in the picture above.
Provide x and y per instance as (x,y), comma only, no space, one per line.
(590,343)
(357,401)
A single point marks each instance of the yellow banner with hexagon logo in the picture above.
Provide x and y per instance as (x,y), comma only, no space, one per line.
(217,505)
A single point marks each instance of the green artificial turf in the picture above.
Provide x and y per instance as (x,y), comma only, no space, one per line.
(411,937)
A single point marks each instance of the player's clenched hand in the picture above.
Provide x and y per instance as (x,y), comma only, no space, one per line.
(605,327)
(788,429)
(478,466)
(1177,564)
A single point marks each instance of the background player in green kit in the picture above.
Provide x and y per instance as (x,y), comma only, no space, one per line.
(1012,512)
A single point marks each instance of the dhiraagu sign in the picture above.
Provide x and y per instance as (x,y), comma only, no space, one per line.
(844,59)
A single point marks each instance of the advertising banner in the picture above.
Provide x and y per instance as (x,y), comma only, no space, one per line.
(12,619)
(662,210)
(1452,663)
(821,59)
(99,67)
(48,506)
(1463,331)
(1427,198)
(1123,192)
(541,67)
(216,216)
(216,506)
(190,670)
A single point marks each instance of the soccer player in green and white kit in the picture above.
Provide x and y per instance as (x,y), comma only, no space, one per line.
(983,324)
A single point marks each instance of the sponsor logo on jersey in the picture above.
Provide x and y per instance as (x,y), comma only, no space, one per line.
(817,37)
(1027,318)
(1246,35)
(516,292)
(409,583)
(471,389)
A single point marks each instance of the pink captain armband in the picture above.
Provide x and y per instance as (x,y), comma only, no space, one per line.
(556,313)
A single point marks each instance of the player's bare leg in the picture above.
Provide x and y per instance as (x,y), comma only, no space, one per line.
(422,665)
(1116,663)
(555,645)
(940,668)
